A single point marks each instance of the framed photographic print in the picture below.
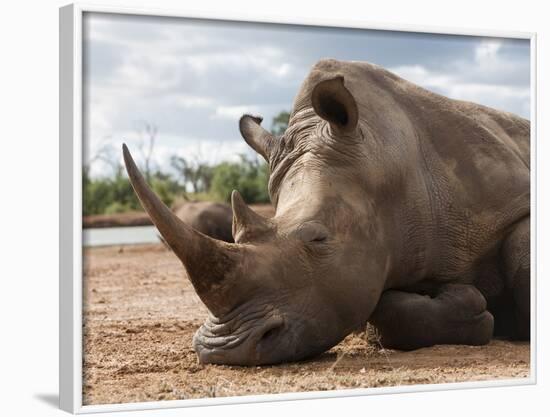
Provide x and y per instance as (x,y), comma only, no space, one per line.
(272,210)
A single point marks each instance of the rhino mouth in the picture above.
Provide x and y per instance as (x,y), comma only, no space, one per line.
(238,340)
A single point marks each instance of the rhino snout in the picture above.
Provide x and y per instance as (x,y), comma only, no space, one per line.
(249,344)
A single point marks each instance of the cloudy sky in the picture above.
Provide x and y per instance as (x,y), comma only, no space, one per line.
(193,79)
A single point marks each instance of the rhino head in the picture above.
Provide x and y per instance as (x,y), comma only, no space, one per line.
(292,286)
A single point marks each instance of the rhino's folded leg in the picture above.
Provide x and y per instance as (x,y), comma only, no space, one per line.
(455,314)
(515,254)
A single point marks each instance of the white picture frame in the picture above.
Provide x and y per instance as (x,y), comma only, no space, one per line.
(70,215)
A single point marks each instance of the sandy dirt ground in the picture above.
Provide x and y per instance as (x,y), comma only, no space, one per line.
(140,313)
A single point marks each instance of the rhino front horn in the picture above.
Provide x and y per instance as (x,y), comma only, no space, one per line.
(209,263)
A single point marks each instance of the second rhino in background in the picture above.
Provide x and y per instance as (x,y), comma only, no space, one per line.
(212,219)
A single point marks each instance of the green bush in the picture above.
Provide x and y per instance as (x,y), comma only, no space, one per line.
(280,123)
(117,207)
(249,177)
(115,194)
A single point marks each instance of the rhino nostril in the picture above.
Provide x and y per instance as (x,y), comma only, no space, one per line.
(272,330)
(270,334)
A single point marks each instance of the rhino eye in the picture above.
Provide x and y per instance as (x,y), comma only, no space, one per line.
(312,232)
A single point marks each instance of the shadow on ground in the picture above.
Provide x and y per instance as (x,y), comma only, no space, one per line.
(49,399)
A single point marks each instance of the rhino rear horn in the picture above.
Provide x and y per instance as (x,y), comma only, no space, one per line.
(247,224)
(333,102)
(209,263)
(256,136)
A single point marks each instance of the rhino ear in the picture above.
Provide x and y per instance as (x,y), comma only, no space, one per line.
(256,136)
(333,102)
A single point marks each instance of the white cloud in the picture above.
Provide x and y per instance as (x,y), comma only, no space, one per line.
(420,75)
(486,52)
(233,112)
(460,84)
(195,79)
(187,101)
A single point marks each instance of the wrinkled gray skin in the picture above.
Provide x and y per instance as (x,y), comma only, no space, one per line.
(212,219)
(393,205)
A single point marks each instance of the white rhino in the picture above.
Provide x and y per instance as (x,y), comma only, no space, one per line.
(394,205)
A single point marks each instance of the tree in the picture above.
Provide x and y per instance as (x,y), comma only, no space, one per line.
(249,176)
(280,123)
(113,193)
(107,154)
(146,146)
(198,174)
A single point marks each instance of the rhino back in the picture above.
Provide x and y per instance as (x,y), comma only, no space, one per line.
(465,164)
